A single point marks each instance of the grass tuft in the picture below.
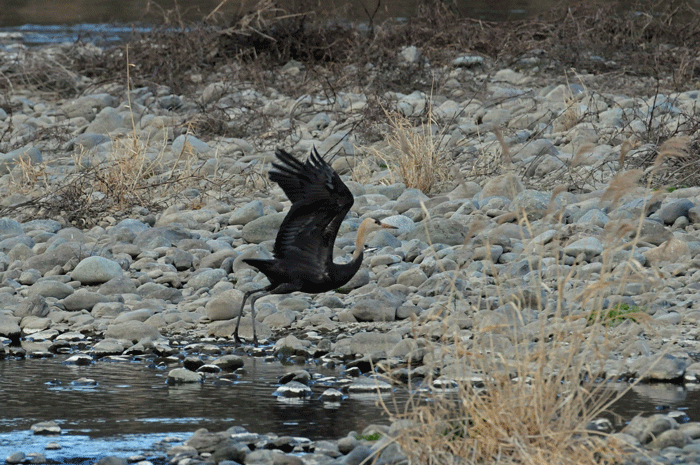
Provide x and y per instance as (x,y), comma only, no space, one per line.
(530,405)
(617,315)
(415,155)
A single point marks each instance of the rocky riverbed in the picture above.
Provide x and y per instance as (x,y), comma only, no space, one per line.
(125,230)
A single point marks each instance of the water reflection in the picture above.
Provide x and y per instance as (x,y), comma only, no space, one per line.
(132,399)
(652,398)
(33,34)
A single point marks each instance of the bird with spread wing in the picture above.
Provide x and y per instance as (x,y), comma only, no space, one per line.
(303,251)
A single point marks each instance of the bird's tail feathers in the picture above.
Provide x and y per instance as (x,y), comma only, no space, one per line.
(259,263)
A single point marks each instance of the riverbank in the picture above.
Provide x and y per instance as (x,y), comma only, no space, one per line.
(546,221)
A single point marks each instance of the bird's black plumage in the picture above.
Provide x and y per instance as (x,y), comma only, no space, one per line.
(303,250)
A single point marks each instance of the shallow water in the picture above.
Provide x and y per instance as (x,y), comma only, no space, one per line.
(130,407)
(658,398)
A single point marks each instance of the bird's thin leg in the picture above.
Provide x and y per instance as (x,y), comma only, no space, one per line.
(252,315)
(240,313)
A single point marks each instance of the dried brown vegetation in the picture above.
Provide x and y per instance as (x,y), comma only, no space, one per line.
(524,389)
(596,38)
(415,155)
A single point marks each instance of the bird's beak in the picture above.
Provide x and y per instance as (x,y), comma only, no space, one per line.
(388,226)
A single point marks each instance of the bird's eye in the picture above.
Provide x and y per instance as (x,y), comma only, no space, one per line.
(376,222)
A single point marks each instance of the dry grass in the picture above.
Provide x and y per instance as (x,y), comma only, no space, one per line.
(531,408)
(523,388)
(133,173)
(416,155)
(673,163)
(516,392)
(28,175)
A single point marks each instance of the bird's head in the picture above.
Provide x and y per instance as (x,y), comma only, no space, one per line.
(367,226)
(370,225)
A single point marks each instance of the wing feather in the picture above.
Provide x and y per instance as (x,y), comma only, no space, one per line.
(320,201)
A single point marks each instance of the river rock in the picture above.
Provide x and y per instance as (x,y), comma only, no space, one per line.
(663,368)
(112,460)
(106,121)
(280,319)
(86,141)
(506,185)
(264,228)
(159,291)
(58,256)
(107,309)
(247,213)
(161,236)
(107,347)
(671,211)
(141,314)
(439,231)
(50,288)
(189,144)
(670,438)
(96,270)
(9,328)
(590,247)
(10,228)
(229,452)
(293,389)
(34,305)
(79,359)
(218,258)
(16,457)
(30,155)
(132,330)
(226,328)
(672,251)
(229,362)
(368,386)
(224,306)
(46,427)
(291,345)
(204,278)
(184,376)
(331,395)
(119,285)
(357,456)
(367,343)
(373,310)
(83,300)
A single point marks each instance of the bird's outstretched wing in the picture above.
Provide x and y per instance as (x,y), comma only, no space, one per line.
(320,201)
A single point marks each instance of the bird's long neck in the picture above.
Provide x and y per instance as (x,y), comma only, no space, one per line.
(360,241)
(343,273)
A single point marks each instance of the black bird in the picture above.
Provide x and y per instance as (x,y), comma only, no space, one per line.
(303,251)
